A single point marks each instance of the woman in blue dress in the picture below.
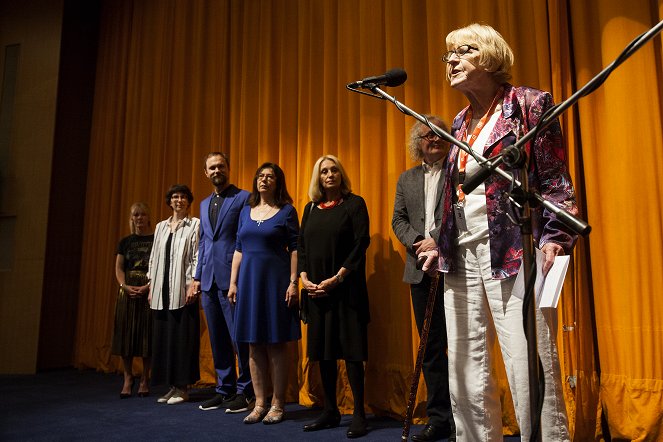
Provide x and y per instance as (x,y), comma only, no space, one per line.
(263,284)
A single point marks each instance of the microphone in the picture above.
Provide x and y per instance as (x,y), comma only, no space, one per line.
(393,77)
(576,224)
(510,156)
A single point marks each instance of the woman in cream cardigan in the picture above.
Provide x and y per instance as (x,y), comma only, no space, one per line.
(176,332)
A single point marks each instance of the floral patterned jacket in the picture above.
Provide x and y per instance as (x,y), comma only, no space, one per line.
(521,110)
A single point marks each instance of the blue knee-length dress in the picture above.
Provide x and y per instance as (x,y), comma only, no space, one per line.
(262,314)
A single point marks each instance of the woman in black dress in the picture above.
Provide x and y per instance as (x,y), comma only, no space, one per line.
(332,264)
(133,318)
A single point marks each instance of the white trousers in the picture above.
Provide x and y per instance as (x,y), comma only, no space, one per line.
(479,309)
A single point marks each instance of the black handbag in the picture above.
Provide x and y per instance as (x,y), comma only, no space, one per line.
(303,306)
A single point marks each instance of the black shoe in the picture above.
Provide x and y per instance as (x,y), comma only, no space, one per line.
(239,403)
(214,403)
(357,427)
(432,433)
(328,419)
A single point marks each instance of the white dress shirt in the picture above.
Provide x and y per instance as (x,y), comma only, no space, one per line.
(431,180)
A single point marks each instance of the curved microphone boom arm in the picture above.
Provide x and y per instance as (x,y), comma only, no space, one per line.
(593,84)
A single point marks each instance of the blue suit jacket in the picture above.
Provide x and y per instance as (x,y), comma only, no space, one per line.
(217,243)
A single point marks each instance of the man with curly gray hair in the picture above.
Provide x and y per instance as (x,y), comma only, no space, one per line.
(416,223)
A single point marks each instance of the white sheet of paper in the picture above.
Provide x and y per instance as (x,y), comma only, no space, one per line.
(549,288)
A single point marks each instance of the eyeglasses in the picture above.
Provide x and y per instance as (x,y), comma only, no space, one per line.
(459,52)
(267,177)
(430,136)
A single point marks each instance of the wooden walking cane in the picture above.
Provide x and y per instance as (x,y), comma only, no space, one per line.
(420,355)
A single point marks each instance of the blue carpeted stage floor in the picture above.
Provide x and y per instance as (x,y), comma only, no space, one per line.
(84,406)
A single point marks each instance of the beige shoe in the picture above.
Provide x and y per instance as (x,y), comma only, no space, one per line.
(274,416)
(178,397)
(256,415)
(163,399)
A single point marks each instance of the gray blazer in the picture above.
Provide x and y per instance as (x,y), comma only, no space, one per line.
(409,216)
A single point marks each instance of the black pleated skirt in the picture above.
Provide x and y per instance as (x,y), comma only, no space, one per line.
(176,346)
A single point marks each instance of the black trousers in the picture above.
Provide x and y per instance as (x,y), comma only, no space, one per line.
(436,363)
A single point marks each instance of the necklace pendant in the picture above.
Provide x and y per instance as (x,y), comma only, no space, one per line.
(259,221)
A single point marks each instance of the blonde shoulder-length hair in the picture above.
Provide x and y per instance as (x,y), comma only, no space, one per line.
(495,54)
(142,207)
(315,191)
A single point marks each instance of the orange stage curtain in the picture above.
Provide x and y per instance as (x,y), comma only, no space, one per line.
(264,80)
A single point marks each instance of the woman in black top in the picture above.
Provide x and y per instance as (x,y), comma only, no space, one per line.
(133,318)
(332,264)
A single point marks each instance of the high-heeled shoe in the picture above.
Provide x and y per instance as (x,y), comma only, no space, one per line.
(145,392)
(127,395)
(328,419)
(256,415)
(274,416)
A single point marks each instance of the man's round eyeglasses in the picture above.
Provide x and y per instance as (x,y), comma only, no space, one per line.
(429,136)
(459,51)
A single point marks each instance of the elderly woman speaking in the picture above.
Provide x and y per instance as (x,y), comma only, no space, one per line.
(481,249)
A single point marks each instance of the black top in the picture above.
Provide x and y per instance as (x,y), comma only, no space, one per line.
(215,204)
(136,251)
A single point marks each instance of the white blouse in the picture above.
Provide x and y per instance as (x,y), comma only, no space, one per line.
(476,209)
(183,261)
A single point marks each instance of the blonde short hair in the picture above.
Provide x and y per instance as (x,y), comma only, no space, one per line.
(138,206)
(495,55)
(315,191)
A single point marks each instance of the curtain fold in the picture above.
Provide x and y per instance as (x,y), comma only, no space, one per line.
(265,81)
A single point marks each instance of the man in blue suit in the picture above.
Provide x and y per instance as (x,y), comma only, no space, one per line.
(219,214)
